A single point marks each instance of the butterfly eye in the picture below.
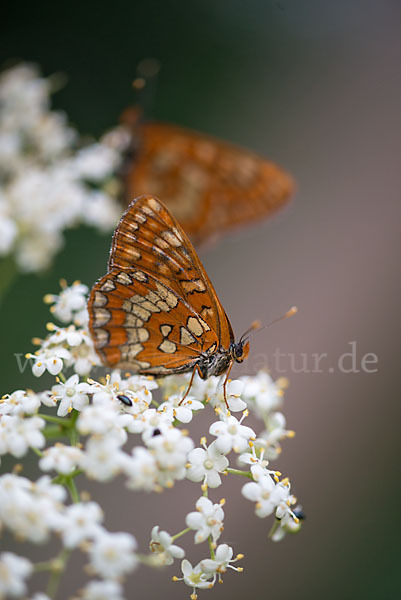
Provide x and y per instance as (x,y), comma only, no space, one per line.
(240,351)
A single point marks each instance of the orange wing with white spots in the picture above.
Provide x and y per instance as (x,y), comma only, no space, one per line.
(210,186)
(156,310)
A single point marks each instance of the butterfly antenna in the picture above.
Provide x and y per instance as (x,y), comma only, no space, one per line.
(256,325)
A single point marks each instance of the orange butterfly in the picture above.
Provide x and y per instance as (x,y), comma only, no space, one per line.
(156,311)
(208,185)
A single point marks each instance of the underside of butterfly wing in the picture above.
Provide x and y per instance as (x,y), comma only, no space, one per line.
(149,238)
(140,324)
(210,186)
(156,310)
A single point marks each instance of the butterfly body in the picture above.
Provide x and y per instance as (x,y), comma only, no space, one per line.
(156,312)
(218,362)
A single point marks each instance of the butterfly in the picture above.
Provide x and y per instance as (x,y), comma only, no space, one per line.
(156,311)
(210,186)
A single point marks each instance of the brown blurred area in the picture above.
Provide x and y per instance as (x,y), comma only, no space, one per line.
(316,87)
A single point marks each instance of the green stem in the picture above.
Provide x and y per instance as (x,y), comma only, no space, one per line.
(274,528)
(72,488)
(74,436)
(239,472)
(62,479)
(57,420)
(37,452)
(61,376)
(178,535)
(43,566)
(211,548)
(53,432)
(58,566)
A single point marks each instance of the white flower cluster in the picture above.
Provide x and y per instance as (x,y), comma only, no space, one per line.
(98,417)
(47,182)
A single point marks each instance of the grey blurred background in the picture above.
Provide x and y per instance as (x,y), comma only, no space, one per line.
(315,85)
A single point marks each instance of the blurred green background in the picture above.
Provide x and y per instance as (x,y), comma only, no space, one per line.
(316,86)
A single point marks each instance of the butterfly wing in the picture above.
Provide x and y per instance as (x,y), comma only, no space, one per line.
(156,310)
(208,185)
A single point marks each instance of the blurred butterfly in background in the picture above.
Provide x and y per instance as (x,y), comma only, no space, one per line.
(156,312)
(210,186)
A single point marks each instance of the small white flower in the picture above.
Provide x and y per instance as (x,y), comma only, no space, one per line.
(80,522)
(19,403)
(141,470)
(290,522)
(61,458)
(205,389)
(179,409)
(101,211)
(176,384)
(45,487)
(44,179)
(17,435)
(47,398)
(96,162)
(205,464)
(234,390)
(275,432)
(195,577)
(50,359)
(206,520)
(231,435)
(102,590)
(221,562)
(13,571)
(70,301)
(102,419)
(162,545)
(151,422)
(262,393)
(69,336)
(286,499)
(112,555)
(108,393)
(126,395)
(29,509)
(102,459)
(136,383)
(52,135)
(35,251)
(71,394)
(170,450)
(258,464)
(133,403)
(84,356)
(267,494)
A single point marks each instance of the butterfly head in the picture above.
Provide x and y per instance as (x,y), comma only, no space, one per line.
(239,351)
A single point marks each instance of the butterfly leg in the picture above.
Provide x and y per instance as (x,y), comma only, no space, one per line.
(225,383)
(196,368)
